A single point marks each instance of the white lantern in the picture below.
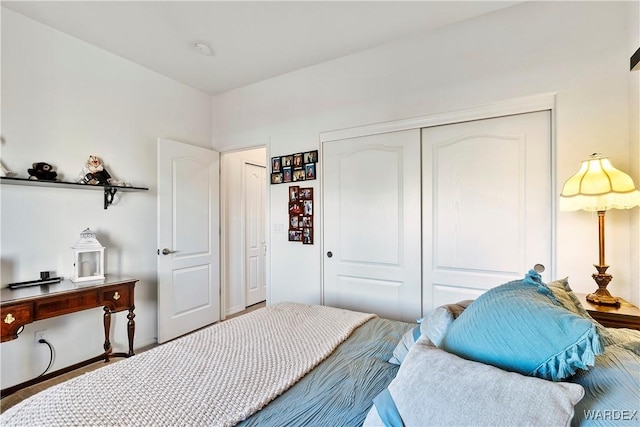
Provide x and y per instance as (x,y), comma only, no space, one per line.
(88,258)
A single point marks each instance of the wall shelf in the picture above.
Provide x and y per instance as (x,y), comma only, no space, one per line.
(109,190)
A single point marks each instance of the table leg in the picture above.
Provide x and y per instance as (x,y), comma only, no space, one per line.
(131,328)
(107,327)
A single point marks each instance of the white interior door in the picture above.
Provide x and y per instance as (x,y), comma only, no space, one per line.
(371,187)
(188,238)
(487,216)
(255,242)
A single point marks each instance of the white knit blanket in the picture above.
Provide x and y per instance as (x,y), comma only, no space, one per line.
(217,376)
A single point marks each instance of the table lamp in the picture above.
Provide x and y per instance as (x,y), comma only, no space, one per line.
(598,187)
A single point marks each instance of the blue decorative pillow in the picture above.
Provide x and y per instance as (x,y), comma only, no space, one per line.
(565,296)
(521,327)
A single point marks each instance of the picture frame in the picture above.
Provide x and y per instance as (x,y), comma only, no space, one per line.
(306,193)
(307,236)
(307,207)
(310,171)
(310,157)
(300,204)
(276,164)
(295,235)
(277,178)
(294,193)
(299,175)
(295,208)
(288,176)
(294,167)
(305,221)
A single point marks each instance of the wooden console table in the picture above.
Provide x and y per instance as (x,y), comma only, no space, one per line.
(26,305)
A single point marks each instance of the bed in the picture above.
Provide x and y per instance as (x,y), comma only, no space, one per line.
(306,365)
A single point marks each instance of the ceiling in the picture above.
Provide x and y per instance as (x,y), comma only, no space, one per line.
(251,40)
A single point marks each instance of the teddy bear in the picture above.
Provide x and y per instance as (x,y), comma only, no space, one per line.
(42,171)
(4,171)
(94,172)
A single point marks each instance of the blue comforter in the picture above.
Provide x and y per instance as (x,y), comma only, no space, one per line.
(612,385)
(340,390)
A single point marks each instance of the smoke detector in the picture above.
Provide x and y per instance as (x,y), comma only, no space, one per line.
(203,47)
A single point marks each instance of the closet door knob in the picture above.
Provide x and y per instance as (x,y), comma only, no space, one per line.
(329,254)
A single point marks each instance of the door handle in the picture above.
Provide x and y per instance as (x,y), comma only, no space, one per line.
(166,251)
(329,254)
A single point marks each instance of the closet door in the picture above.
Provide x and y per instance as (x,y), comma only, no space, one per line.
(371,193)
(254,234)
(487,216)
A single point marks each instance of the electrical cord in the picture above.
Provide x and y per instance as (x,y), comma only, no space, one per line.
(43,341)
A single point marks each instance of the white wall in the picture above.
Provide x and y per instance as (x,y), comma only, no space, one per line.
(579,50)
(62,100)
(233,229)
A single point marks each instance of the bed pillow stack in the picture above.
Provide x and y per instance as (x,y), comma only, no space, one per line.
(521,327)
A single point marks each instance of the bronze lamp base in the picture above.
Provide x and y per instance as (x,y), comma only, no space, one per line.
(602,295)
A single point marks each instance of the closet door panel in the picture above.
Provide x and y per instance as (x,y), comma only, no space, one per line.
(486,204)
(371,193)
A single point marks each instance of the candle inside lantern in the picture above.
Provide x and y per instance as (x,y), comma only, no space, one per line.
(85,270)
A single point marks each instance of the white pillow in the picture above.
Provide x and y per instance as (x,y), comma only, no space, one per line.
(406,342)
(434,326)
(437,388)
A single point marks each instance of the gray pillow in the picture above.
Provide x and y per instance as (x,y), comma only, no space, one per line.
(436,388)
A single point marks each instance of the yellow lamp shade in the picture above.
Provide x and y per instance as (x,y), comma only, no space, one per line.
(598,186)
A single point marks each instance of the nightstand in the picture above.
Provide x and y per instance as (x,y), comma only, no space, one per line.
(625,316)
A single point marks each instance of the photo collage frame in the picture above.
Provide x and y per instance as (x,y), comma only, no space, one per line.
(294,167)
(301,214)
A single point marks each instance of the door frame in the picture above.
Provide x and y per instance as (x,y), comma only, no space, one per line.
(224,224)
(529,104)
